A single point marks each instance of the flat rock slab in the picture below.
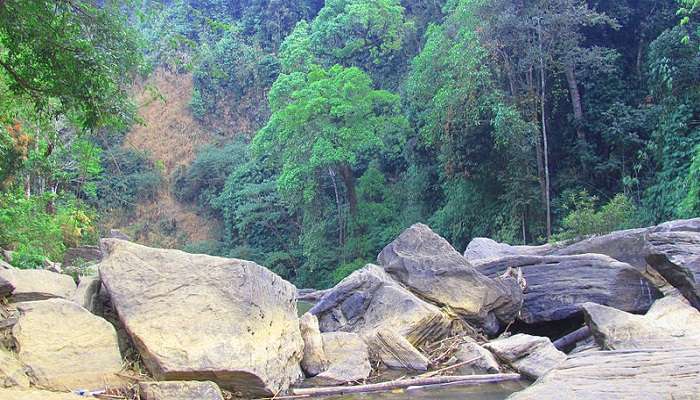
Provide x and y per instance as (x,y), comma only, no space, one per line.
(657,374)
(34,394)
(12,373)
(65,347)
(37,284)
(348,358)
(557,286)
(480,249)
(369,300)
(625,246)
(430,267)
(179,390)
(198,317)
(532,356)
(670,323)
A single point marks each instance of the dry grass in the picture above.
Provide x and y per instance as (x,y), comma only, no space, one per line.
(172,136)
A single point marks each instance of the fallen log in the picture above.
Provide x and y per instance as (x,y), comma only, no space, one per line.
(572,338)
(404,383)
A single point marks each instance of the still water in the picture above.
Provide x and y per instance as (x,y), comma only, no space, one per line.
(481,392)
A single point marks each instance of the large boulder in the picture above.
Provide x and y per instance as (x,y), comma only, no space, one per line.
(676,257)
(557,286)
(532,356)
(348,358)
(684,225)
(34,394)
(37,284)
(198,317)
(65,347)
(179,390)
(670,323)
(429,266)
(314,360)
(369,300)
(484,249)
(650,374)
(12,371)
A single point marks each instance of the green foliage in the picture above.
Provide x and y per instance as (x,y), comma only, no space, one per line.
(324,121)
(203,181)
(41,227)
(69,57)
(690,206)
(129,176)
(584,219)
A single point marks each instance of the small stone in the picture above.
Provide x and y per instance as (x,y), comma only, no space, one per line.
(486,363)
(532,356)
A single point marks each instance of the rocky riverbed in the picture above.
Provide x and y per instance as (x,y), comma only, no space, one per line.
(614,316)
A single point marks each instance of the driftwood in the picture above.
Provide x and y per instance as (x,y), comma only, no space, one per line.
(404,383)
(572,338)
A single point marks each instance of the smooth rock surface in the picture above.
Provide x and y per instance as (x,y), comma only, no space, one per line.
(484,248)
(65,347)
(198,317)
(87,295)
(38,284)
(429,266)
(395,351)
(652,374)
(348,358)
(12,371)
(179,390)
(670,323)
(34,394)
(557,286)
(314,360)
(532,356)
(369,300)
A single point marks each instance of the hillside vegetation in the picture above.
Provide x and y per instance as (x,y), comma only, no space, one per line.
(305,135)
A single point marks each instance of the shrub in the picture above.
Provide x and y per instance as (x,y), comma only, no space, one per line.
(128,176)
(583,219)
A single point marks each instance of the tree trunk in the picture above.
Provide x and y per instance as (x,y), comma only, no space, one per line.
(349,182)
(339,206)
(543,111)
(575,101)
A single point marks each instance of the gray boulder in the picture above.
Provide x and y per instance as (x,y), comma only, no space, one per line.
(395,351)
(37,284)
(486,363)
(82,254)
(369,300)
(348,357)
(676,257)
(532,356)
(180,390)
(650,374)
(87,294)
(197,317)
(625,246)
(670,323)
(430,267)
(557,286)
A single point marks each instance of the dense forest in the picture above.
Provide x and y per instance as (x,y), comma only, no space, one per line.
(326,128)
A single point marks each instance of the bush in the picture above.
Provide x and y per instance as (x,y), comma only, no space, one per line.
(583,219)
(128,177)
(42,227)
